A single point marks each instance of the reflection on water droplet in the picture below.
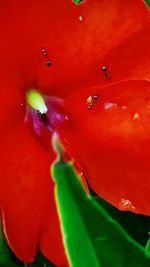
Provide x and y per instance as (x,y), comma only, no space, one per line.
(136,116)
(109,105)
(48,63)
(104,68)
(95,97)
(80,18)
(123,107)
(66,117)
(126,205)
(44,52)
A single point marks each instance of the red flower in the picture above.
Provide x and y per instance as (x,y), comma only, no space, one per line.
(59,48)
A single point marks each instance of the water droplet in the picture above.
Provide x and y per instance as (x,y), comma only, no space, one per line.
(95,97)
(109,105)
(107,76)
(48,63)
(126,205)
(106,72)
(80,18)
(136,116)
(90,101)
(104,68)
(66,117)
(44,52)
(123,107)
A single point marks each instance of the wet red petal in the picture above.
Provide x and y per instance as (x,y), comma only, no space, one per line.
(131,60)
(27,195)
(127,61)
(73,50)
(111,141)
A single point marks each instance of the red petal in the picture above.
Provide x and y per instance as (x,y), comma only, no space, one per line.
(12,108)
(27,195)
(131,60)
(50,241)
(112,141)
(73,50)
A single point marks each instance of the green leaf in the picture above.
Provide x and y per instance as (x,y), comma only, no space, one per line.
(91,236)
(77,1)
(42,260)
(5,254)
(147,2)
(136,225)
(147,248)
(7,258)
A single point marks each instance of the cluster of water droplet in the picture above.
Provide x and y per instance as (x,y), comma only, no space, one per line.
(47,60)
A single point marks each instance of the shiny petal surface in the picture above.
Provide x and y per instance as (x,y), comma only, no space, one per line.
(127,61)
(27,195)
(111,141)
(95,27)
(131,60)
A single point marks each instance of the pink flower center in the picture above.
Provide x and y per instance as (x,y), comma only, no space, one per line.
(44,113)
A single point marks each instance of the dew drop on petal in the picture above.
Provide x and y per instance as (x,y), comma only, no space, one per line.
(104,68)
(109,105)
(66,118)
(48,63)
(95,97)
(126,205)
(136,116)
(124,107)
(107,76)
(80,18)
(44,52)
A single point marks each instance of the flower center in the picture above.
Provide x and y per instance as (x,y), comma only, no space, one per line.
(44,114)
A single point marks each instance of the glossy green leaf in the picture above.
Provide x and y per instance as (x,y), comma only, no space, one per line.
(91,236)
(147,2)
(147,248)
(136,225)
(77,1)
